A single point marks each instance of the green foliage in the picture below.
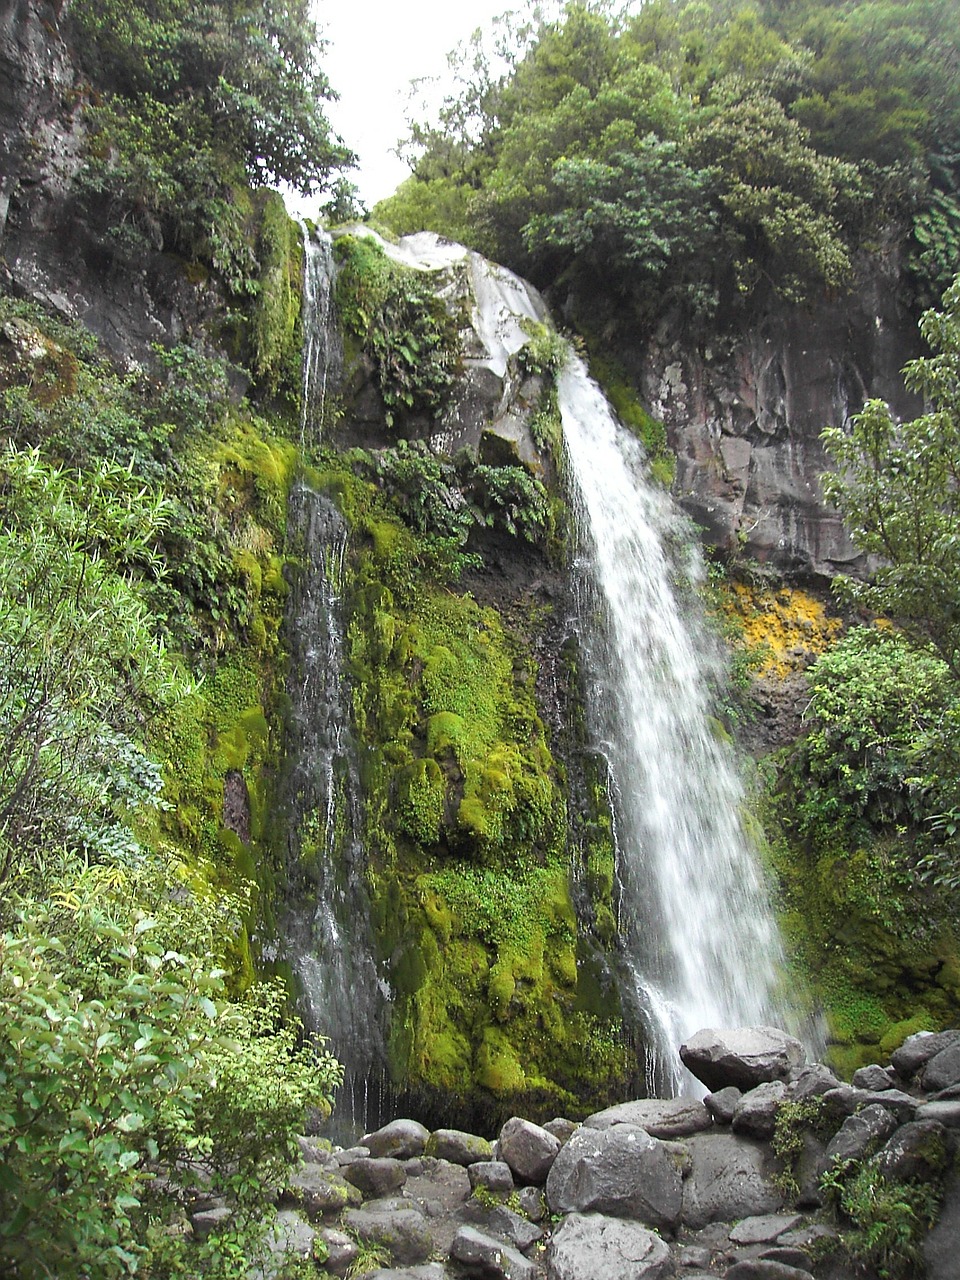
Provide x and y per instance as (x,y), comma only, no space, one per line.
(194,103)
(123,1063)
(794,1120)
(276,312)
(889,1220)
(402,324)
(897,490)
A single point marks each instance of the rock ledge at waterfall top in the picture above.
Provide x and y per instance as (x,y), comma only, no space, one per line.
(627,1205)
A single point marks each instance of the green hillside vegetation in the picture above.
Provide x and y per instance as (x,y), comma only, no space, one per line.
(699,155)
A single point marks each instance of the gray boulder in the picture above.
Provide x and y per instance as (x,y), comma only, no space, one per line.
(941,1248)
(811,1081)
(429,1271)
(723,1103)
(744,1057)
(731,1178)
(490,1256)
(916,1151)
(532,1203)
(510,1226)
(859,1135)
(458,1147)
(400,1140)
(764,1229)
(206,1222)
(845,1101)
(765,1269)
(319,1192)
(947,1112)
(376,1177)
(561,1128)
(494,1175)
(594,1247)
(660,1117)
(918,1049)
(943,1069)
(528,1149)
(756,1112)
(620,1171)
(874,1078)
(342,1250)
(403,1232)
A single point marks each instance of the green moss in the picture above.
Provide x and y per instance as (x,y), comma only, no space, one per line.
(276,311)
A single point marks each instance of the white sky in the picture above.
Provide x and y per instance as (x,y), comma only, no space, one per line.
(375,48)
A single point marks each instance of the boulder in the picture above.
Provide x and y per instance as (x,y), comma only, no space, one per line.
(494,1175)
(399,1140)
(946,1111)
(756,1112)
(660,1117)
(402,1232)
(342,1250)
(492,1257)
(458,1147)
(723,1103)
(376,1177)
(429,1271)
(620,1171)
(765,1269)
(528,1149)
(510,1226)
(319,1192)
(744,1057)
(731,1178)
(845,1101)
(314,1151)
(917,1151)
(561,1128)
(811,1081)
(920,1048)
(532,1203)
(859,1135)
(594,1247)
(942,1071)
(941,1248)
(206,1222)
(874,1078)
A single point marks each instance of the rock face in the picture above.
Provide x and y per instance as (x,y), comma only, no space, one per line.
(744,1057)
(745,420)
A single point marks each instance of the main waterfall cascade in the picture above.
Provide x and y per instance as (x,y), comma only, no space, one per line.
(700,944)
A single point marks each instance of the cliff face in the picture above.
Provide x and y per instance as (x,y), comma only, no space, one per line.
(53,249)
(745,421)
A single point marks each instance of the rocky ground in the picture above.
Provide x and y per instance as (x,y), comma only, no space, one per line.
(653,1188)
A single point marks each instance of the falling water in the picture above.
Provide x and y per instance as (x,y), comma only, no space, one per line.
(702,945)
(327,937)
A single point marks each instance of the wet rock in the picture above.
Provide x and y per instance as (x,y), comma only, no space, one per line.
(620,1171)
(731,1178)
(919,1049)
(458,1147)
(943,1069)
(765,1228)
(756,1112)
(744,1056)
(859,1135)
(492,1257)
(917,1151)
(528,1149)
(723,1103)
(494,1175)
(401,1231)
(874,1078)
(660,1117)
(400,1140)
(604,1248)
(376,1177)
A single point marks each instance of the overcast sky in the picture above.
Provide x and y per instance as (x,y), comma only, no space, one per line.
(375,48)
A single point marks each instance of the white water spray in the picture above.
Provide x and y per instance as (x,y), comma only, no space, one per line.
(702,942)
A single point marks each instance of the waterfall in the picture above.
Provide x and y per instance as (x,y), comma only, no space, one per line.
(326,933)
(702,946)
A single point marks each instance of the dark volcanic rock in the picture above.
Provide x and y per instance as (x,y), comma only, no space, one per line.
(621,1171)
(743,1056)
(528,1149)
(731,1178)
(660,1117)
(602,1248)
(400,1139)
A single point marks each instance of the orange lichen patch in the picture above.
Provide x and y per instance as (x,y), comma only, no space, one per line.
(788,627)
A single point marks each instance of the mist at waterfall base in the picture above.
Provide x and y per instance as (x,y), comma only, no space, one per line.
(699,946)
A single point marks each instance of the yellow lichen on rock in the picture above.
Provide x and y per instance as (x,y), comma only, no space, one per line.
(789,627)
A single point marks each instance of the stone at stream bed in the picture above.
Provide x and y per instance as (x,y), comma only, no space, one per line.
(765,1269)
(756,1112)
(723,1103)
(920,1048)
(811,1081)
(858,1134)
(376,1177)
(402,1231)
(528,1149)
(742,1056)
(943,1069)
(764,1229)
(946,1111)
(620,1171)
(429,1271)
(400,1139)
(731,1178)
(594,1247)
(489,1256)
(874,1078)
(458,1147)
(845,1101)
(494,1175)
(916,1152)
(503,1222)
(660,1117)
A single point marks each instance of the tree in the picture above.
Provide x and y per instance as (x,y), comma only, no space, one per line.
(898,490)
